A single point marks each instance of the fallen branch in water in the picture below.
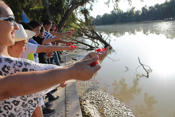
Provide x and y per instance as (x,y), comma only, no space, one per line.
(147,70)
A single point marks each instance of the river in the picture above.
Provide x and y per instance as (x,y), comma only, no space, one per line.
(123,76)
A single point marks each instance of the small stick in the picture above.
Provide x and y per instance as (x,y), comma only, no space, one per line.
(146,70)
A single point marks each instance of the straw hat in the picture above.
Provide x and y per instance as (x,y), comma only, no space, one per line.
(23,34)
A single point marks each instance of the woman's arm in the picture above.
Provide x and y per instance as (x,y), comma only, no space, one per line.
(55,39)
(69,33)
(46,49)
(58,37)
(50,40)
(25,83)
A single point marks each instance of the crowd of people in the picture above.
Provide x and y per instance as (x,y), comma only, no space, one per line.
(30,67)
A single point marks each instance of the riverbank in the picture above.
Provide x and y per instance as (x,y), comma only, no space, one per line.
(93,101)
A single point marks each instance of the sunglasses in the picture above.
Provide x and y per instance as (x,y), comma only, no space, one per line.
(10,19)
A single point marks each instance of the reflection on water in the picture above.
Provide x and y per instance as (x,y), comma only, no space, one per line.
(148,97)
(146,109)
(125,93)
(166,28)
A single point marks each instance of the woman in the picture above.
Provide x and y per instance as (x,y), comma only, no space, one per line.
(23,106)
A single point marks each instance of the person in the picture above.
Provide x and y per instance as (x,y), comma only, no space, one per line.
(49,38)
(15,51)
(45,76)
(53,28)
(36,27)
(54,31)
(33,47)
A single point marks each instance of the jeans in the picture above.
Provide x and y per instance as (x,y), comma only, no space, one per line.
(56,58)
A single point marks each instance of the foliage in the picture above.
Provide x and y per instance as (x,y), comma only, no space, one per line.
(158,12)
(59,11)
(29,6)
(42,9)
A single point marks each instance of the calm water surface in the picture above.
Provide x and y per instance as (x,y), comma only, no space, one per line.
(123,77)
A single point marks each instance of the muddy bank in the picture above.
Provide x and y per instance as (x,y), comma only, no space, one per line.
(97,103)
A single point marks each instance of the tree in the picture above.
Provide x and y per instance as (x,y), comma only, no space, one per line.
(71,6)
(27,5)
(59,11)
(157,12)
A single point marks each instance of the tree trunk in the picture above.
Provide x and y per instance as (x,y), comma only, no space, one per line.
(65,18)
(69,12)
(46,3)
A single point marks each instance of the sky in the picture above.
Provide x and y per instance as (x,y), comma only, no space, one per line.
(100,7)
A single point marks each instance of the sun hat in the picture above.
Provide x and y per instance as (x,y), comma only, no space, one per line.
(23,34)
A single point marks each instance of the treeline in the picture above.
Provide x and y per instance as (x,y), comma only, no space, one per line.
(157,12)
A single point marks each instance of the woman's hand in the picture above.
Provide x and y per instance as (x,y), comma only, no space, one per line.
(82,70)
(101,55)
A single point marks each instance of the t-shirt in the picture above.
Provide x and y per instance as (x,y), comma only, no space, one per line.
(30,48)
(31,40)
(39,40)
(31,57)
(48,35)
(21,106)
(41,56)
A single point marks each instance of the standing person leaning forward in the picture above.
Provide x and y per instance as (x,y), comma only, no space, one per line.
(42,76)
(19,47)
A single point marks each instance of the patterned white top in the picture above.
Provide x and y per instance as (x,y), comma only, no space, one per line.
(21,106)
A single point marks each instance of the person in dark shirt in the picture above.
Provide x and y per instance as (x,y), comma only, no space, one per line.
(39,39)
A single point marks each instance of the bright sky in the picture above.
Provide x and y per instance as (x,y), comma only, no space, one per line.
(100,8)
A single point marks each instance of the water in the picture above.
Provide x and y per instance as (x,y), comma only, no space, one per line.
(122,76)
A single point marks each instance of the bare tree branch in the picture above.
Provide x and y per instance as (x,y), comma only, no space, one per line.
(90,47)
(147,70)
